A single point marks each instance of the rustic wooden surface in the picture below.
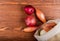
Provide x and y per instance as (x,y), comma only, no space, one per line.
(12,16)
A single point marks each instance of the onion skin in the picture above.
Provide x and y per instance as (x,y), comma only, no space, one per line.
(29,29)
(29,9)
(40,15)
(48,26)
(30,21)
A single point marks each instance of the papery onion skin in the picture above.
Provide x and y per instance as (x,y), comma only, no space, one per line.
(40,15)
(29,29)
(48,26)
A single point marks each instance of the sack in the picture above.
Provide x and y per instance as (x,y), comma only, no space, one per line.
(52,35)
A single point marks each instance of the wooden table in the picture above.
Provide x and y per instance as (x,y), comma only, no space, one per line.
(12,17)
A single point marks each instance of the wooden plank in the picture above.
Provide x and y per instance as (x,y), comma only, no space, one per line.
(12,16)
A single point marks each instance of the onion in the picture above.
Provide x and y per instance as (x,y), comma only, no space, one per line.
(29,9)
(30,21)
(29,29)
(48,26)
(40,15)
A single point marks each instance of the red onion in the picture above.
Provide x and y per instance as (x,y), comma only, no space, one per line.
(30,21)
(29,9)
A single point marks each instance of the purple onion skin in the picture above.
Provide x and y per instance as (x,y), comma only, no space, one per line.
(30,21)
(29,9)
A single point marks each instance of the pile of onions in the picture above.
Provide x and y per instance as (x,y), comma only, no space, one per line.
(30,20)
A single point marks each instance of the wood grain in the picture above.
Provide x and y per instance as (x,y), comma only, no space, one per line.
(12,16)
